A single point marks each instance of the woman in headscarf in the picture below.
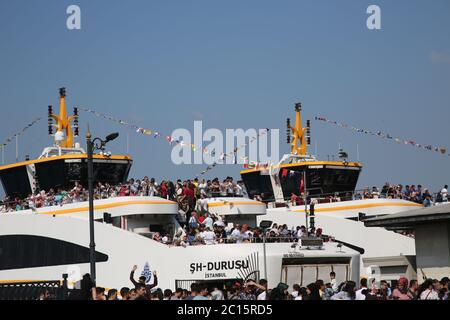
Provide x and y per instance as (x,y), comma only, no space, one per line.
(280,292)
(312,290)
(401,292)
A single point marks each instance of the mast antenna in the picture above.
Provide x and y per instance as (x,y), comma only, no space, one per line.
(63,122)
(299,134)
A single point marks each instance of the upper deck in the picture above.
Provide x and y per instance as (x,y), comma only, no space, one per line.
(61,165)
(300,173)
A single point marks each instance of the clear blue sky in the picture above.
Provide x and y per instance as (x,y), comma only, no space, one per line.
(236,64)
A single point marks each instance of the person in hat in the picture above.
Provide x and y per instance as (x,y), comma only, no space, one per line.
(401,291)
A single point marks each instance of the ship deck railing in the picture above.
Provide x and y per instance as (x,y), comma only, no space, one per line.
(340,196)
(332,197)
(279,239)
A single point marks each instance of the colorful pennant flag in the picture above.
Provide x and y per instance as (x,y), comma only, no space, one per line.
(380,134)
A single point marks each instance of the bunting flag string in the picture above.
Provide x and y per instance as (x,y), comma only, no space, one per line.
(386,136)
(173,141)
(19,133)
(138,129)
(233,153)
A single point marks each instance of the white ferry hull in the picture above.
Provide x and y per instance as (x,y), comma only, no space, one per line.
(334,219)
(125,249)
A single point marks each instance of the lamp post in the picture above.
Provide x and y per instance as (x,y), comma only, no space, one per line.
(305,200)
(92,145)
(264,225)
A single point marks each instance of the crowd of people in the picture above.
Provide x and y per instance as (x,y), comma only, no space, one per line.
(413,193)
(430,289)
(210,229)
(188,193)
(192,194)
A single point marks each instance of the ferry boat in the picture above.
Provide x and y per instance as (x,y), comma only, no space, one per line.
(330,186)
(60,165)
(44,243)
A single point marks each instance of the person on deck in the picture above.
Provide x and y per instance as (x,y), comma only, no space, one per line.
(148,287)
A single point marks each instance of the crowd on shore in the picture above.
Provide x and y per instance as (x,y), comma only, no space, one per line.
(331,289)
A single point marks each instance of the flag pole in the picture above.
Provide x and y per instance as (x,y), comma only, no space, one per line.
(17,148)
(305,200)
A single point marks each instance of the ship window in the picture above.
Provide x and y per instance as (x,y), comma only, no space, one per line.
(61,174)
(323,272)
(292,275)
(318,181)
(306,274)
(342,272)
(258,184)
(309,275)
(111,172)
(50,174)
(15,182)
(28,251)
(104,172)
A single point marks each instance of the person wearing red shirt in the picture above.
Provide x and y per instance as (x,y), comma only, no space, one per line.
(163,189)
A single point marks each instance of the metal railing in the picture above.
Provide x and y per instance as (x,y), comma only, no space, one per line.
(277,239)
(338,196)
(32,290)
(341,196)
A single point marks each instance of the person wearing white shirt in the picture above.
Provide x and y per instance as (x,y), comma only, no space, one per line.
(208,236)
(239,190)
(208,222)
(236,234)
(151,190)
(359,294)
(301,232)
(202,203)
(261,289)
(262,296)
(202,187)
(444,193)
(295,292)
(179,190)
(429,293)
(333,282)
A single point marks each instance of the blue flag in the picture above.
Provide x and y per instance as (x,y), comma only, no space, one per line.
(147,273)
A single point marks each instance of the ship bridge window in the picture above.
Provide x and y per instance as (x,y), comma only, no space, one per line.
(319,181)
(111,172)
(105,172)
(258,184)
(29,251)
(60,173)
(15,182)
